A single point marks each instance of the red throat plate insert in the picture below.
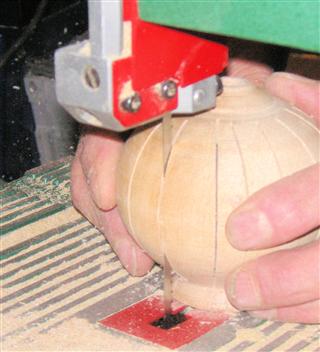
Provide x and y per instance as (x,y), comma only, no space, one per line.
(137,320)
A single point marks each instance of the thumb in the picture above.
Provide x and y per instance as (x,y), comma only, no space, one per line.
(304,93)
(254,72)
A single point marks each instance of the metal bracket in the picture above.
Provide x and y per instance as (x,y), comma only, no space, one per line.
(197,97)
(112,80)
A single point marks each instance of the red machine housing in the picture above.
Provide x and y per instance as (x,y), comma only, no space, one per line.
(160,54)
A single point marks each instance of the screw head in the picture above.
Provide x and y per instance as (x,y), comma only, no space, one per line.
(132,104)
(168,89)
(91,77)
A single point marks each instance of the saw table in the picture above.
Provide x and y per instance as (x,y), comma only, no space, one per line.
(64,289)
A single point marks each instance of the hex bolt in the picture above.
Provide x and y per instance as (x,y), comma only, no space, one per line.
(168,89)
(132,104)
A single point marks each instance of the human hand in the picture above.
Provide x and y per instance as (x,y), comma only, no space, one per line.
(283,285)
(93,179)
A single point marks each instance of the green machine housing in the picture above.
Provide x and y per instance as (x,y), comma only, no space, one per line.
(291,23)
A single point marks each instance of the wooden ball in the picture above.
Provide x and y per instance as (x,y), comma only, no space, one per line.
(218,159)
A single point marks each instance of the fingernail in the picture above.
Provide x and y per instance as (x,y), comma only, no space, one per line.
(269,314)
(127,255)
(248,229)
(243,290)
(290,76)
(123,251)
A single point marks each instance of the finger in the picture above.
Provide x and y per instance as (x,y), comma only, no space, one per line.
(284,278)
(278,213)
(302,92)
(307,313)
(134,259)
(81,196)
(254,72)
(99,154)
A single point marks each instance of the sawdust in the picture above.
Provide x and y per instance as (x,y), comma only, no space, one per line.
(259,338)
(27,232)
(45,188)
(29,316)
(22,328)
(76,335)
(36,319)
(59,291)
(41,308)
